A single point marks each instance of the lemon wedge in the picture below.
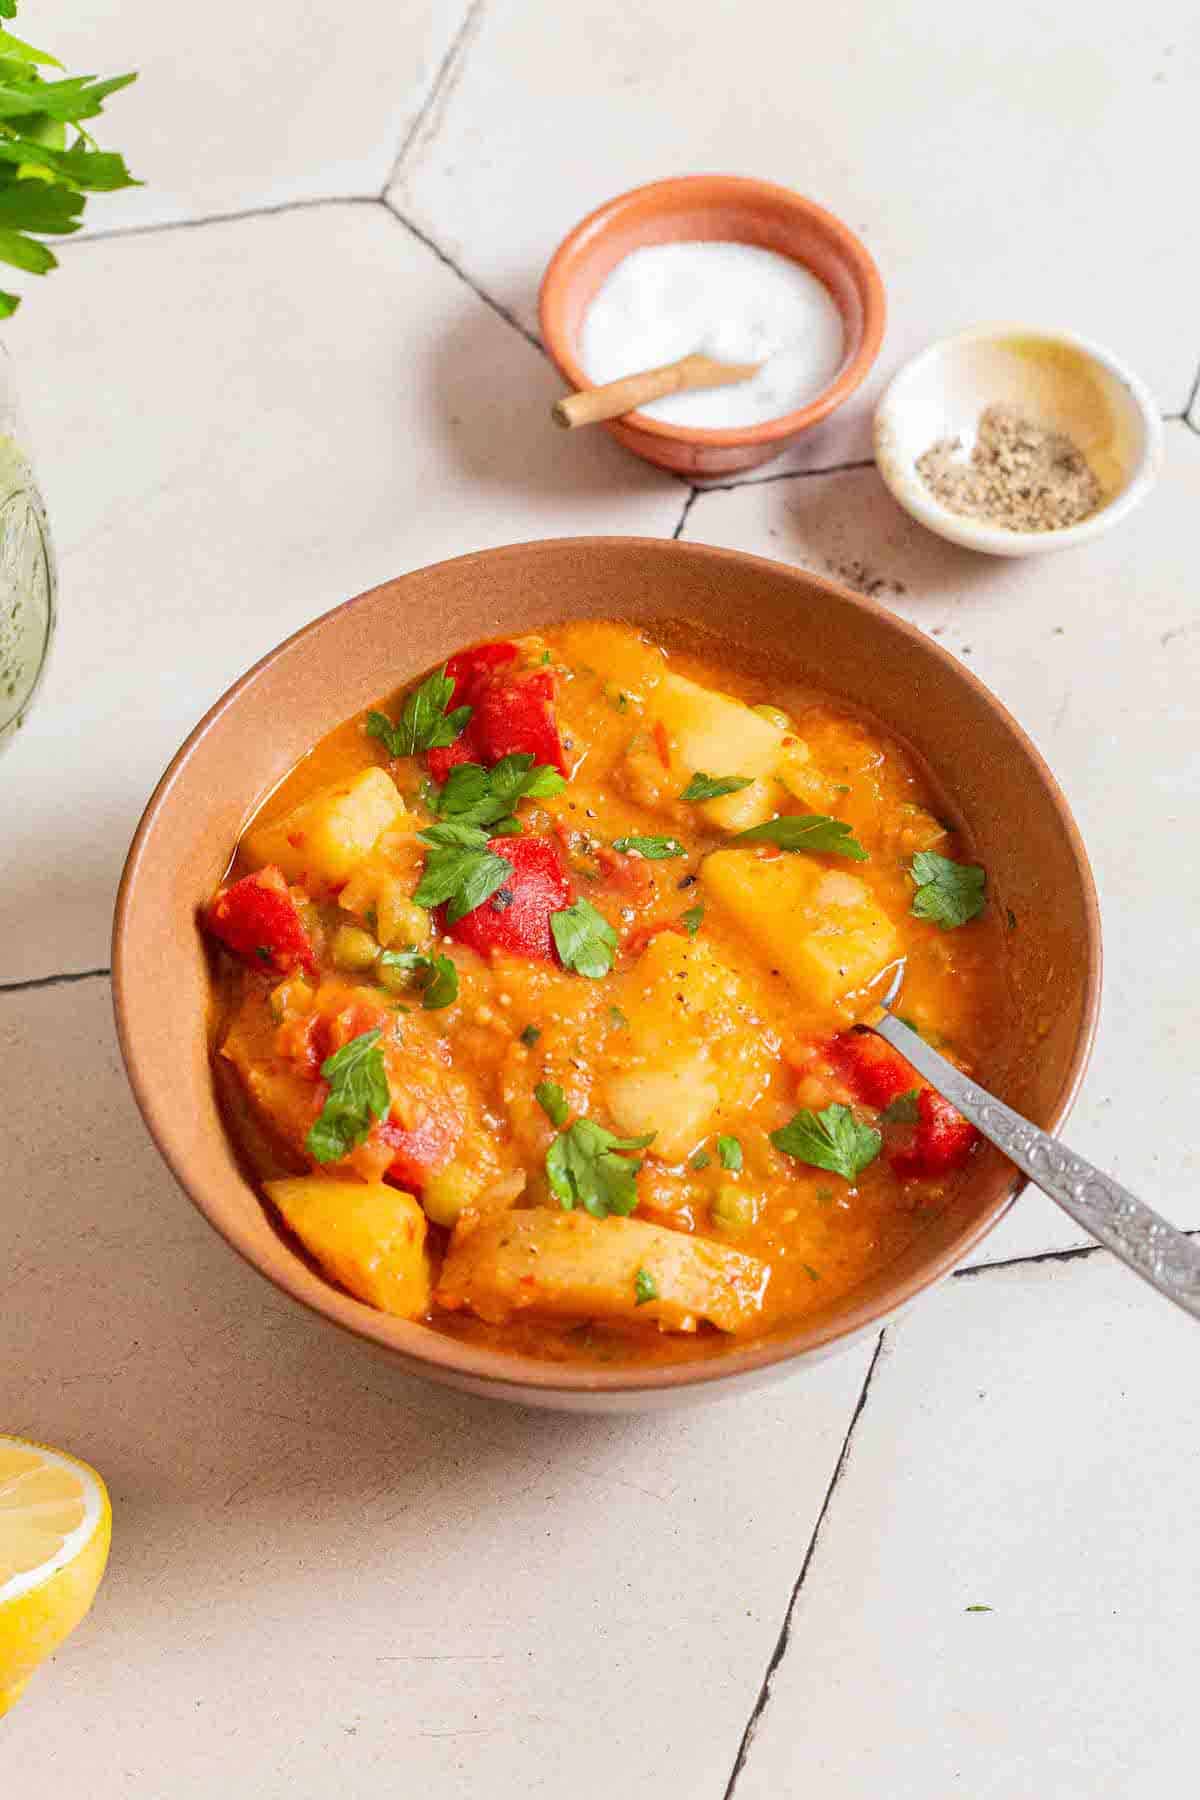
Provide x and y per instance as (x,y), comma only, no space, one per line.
(55,1526)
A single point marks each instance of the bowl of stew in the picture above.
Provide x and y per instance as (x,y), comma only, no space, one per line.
(494,967)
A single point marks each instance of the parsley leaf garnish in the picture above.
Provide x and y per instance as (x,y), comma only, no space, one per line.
(948,893)
(460,870)
(43,181)
(585,939)
(358,1090)
(530,1036)
(436,975)
(691,919)
(583,1168)
(806,831)
(645,1288)
(700,1159)
(473,795)
(730,1153)
(424,722)
(553,1103)
(712,787)
(654,849)
(832,1139)
(903,1109)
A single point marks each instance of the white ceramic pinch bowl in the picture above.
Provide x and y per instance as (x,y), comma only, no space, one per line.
(1060,380)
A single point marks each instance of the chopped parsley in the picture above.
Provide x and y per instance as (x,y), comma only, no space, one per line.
(645,1287)
(553,1103)
(436,975)
(948,893)
(618,1018)
(530,1036)
(730,1152)
(460,870)
(832,1139)
(358,1092)
(691,919)
(700,1160)
(979,1609)
(654,849)
(584,1169)
(902,1110)
(584,938)
(806,831)
(473,795)
(424,722)
(713,787)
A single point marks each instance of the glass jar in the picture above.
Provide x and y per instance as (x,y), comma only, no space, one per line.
(27,578)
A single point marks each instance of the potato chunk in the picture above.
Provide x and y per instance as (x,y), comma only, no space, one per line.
(322,841)
(822,929)
(569,1265)
(676,1101)
(366,1235)
(713,731)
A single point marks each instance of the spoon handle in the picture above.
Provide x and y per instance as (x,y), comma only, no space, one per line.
(1165,1257)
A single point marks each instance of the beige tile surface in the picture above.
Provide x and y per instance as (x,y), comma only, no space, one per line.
(1000,163)
(238,426)
(1026,1447)
(241,106)
(328,1577)
(1097,652)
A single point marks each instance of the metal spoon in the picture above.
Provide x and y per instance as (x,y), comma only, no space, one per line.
(1165,1257)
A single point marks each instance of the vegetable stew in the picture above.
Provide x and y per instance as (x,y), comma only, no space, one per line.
(541,993)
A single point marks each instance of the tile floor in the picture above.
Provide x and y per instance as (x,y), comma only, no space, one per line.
(330,1579)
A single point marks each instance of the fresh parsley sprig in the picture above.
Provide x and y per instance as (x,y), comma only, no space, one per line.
(436,976)
(713,787)
(461,872)
(645,1288)
(473,795)
(584,1169)
(424,723)
(358,1092)
(43,179)
(653,849)
(806,831)
(553,1103)
(948,893)
(585,940)
(832,1139)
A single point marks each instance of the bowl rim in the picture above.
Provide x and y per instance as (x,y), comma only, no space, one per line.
(508,1374)
(552,300)
(973,534)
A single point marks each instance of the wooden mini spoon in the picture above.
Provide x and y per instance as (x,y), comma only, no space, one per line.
(1154,1249)
(632,391)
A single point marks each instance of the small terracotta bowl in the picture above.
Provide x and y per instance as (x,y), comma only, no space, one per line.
(729,209)
(776,617)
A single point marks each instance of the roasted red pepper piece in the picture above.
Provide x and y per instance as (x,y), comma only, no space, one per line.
(517,916)
(512,712)
(943,1140)
(440,761)
(874,1072)
(471,667)
(258,919)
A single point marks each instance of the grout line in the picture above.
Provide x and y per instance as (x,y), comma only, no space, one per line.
(500,310)
(1190,402)
(218,218)
(466,31)
(780,1651)
(47,981)
(693,495)
(727,487)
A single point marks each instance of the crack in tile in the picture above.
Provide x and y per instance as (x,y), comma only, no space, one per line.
(841,468)
(218,218)
(448,261)
(449,73)
(780,1651)
(1190,402)
(692,497)
(1075,1254)
(49,981)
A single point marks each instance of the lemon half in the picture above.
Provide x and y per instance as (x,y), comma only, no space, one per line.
(55,1527)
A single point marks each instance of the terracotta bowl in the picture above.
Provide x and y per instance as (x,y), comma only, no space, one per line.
(992,776)
(731,209)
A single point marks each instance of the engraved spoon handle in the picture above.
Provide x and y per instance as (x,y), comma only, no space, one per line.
(1153,1249)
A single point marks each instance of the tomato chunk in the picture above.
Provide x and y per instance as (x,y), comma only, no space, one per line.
(423,1145)
(517,916)
(258,919)
(943,1140)
(874,1072)
(513,712)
